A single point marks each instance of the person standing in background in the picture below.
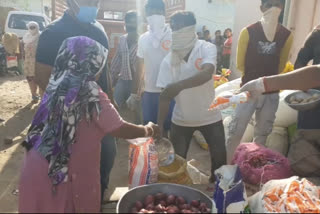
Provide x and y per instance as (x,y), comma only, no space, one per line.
(78,20)
(226,54)
(123,65)
(207,36)
(153,46)
(219,42)
(199,34)
(30,40)
(263,50)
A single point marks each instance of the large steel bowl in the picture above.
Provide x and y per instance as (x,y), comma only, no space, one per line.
(139,193)
(304,106)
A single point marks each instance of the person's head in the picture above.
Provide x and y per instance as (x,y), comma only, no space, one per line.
(227,33)
(204,28)
(85,11)
(182,19)
(155,7)
(267,4)
(33,28)
(199,34)
(217,33)
(206,34)
(131,21)
(87,55)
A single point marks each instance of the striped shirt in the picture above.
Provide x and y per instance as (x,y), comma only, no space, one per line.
(124,61)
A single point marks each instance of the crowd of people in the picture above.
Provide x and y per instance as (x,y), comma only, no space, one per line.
(223,44)
(163,76)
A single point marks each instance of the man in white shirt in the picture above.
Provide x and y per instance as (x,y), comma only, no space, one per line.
(153,46)
(186,76)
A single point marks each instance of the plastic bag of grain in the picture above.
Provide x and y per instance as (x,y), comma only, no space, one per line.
(175,173)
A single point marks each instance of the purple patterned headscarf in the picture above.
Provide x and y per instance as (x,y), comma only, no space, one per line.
(72,94)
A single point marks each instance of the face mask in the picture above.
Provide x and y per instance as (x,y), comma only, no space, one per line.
(156,22)
(183,41)
(269,22)
(272,14)
(87,14)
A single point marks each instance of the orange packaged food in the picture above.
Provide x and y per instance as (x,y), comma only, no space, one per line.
(227,99)
(295,197)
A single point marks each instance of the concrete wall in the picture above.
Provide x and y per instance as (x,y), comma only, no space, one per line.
(217,15)
(27,5)
(246,13)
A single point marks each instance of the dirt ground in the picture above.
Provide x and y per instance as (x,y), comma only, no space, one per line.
(16,111)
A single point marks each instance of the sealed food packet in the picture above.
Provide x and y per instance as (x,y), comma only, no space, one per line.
(227,99)
(143,162)
(295,197)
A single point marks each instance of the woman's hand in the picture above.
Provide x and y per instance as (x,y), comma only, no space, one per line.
(152,130)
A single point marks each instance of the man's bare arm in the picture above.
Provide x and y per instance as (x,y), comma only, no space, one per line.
(137,77)
(42,75)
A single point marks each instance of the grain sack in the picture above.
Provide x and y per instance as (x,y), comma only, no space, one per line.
(175,173)
(278,140)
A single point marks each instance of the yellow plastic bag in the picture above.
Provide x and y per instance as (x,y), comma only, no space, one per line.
(175,173)
(289,67)
(198,137)
(221,79)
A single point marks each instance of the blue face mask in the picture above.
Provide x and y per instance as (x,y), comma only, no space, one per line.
(87,14)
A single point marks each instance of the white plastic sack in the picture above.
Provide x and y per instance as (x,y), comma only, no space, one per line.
(229,86)
(143,162)
(285,115)
(195,174)
(278,140)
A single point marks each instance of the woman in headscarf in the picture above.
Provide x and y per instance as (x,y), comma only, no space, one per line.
(61,171)
(30,40)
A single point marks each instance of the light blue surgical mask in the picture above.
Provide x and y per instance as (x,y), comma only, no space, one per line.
(87,14)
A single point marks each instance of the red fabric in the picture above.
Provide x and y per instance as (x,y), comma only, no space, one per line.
(227,46)
(258,164)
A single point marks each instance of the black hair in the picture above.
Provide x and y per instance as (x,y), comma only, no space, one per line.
(217,31)
(155,4)
(207,31)
(228,29)
(130,14)
(283,2)
(185,17)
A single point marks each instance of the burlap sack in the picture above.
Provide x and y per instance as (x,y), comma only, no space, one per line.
(304,153)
